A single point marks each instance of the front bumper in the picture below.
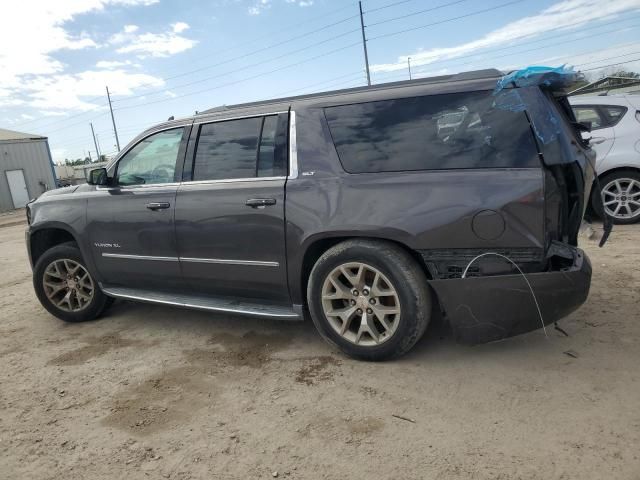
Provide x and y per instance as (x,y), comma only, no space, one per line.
(485,309)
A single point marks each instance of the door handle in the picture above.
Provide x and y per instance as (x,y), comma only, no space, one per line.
(260,202)
(158,205)
(597,140)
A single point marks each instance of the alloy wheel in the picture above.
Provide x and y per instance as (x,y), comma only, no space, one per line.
(621,198)
(68,285)
(361,304)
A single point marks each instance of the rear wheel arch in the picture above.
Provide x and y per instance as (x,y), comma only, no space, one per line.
(319,246)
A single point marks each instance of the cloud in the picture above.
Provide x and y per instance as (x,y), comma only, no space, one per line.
(65,91)
(563,15)
(301,3)
(111,64)
(34,30)
(259,7)
(180,27)
(153,44)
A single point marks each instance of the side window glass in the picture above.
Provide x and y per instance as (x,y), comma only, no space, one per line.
(227,150)
(613,114)
(152,161)
(588,114)
(448,131)
(266,157)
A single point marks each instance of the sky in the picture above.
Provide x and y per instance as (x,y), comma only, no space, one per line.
(173,57)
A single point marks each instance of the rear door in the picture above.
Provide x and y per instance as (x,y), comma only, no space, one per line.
(602,134)
(230,210)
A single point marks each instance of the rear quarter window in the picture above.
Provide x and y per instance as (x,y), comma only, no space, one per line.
(450,131)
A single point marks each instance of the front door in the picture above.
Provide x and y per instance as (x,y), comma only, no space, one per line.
(17,187)
(130,223)
(230,211)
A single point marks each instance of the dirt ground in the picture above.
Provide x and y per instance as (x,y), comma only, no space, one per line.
(156,392)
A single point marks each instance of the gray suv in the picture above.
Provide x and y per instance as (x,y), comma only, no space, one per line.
(369,209)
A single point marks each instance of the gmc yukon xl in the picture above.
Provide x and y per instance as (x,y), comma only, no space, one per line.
(368,209)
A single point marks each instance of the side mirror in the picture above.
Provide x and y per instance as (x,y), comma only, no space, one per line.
(98,176)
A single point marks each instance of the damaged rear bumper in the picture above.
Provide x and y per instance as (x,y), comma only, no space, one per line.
(485,309)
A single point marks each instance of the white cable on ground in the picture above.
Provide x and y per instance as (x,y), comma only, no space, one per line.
(464,274)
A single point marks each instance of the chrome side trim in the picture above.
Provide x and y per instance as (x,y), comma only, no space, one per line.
(136,187)
(221,261)
(293,147)
(232,180)
(229,262)
(139,257)
(225,119)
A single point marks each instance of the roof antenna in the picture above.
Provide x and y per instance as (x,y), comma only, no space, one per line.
(171,118)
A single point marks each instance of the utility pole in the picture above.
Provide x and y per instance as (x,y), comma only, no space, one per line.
(113,120)
(364,44)
(95,142)
(409,64)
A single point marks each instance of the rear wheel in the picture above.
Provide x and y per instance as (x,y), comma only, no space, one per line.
(65,287)
(620,197)
(369,298)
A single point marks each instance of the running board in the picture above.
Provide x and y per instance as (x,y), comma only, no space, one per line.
(224,305)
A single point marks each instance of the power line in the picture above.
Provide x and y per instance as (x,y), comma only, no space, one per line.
(389,5)
(419,27)
(606,59)
(610,65)
(444,5)
(476,55)
(567,57)
(244,79)
(250,54)
(246,67)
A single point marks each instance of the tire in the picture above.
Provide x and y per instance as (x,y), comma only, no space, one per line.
(385,268)
(50,281)
(630,211)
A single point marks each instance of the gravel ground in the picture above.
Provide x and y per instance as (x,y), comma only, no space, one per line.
(156,392)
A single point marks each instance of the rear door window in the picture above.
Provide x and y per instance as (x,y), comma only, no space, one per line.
(449,131)
(244,148)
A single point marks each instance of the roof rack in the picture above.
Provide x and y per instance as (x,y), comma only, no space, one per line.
(457,77)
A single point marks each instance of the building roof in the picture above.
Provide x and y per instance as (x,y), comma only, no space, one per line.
(13,135)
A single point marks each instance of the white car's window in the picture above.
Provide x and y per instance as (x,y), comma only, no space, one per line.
(152,161)
(588,114)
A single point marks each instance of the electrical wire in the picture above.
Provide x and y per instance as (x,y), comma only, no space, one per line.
(247,55)
(611,65)
(245,67)
(438,7)
(235,82)
(446,20)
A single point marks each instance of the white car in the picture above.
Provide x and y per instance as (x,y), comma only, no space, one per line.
(615,136)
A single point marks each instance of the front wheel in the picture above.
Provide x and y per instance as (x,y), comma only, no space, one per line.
(369,298)
(65,287)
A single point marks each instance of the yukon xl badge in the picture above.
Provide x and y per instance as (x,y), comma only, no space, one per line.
(107,245)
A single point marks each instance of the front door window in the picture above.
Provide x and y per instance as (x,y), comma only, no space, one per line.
(152,161)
